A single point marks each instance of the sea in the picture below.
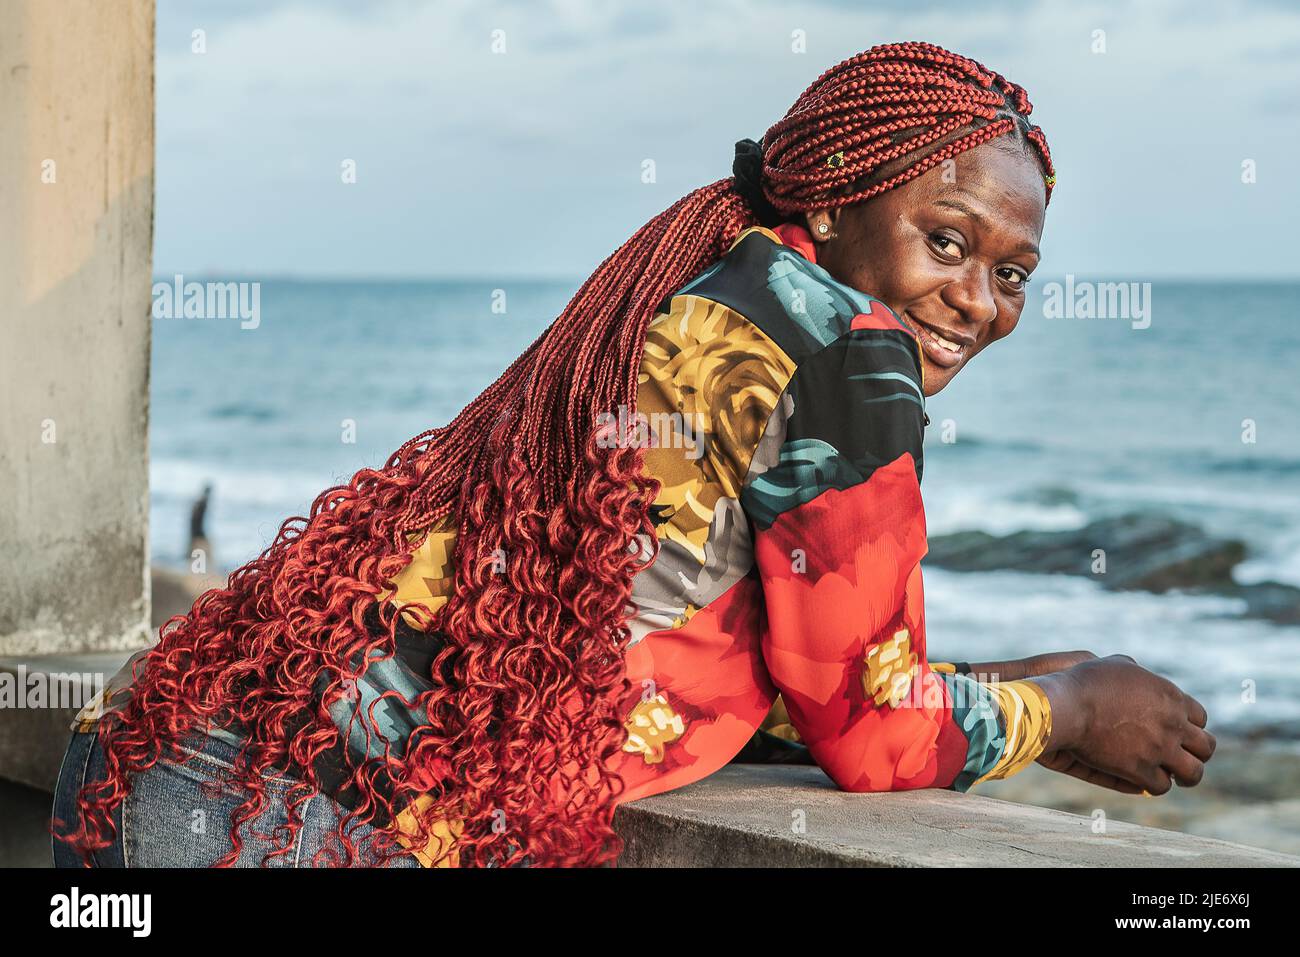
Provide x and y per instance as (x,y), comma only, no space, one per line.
(1192,411)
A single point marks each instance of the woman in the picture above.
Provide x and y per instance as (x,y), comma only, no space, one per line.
(697,491)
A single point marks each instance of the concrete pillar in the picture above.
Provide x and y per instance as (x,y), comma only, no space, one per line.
(76,233)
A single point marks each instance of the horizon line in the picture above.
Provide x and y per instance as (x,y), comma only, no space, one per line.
(412,279)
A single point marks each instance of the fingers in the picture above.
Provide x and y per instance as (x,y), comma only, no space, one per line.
(1188,762)
(1186,769)
(1195,712)
(1200,743)
(1156,781)
(1066,763)
(1102,779)
(1184,764)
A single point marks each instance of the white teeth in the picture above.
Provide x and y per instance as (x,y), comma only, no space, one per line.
(946,343)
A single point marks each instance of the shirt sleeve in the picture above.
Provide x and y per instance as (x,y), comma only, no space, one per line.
(834,499)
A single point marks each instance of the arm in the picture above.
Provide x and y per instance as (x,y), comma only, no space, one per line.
(1014,669)
(839,531)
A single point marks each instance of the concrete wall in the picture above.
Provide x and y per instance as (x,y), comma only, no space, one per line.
(76,232)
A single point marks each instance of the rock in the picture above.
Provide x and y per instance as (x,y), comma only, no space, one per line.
(1145,552)
(1051,495)
(1273,601)
(1149,552)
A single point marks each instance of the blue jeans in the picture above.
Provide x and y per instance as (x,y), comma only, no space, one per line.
(179,815)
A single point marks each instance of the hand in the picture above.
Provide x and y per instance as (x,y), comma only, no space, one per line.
(1067,762)
(1115,718)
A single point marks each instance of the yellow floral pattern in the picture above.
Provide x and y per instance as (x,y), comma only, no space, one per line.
(651,727)
(890,667)
(702,445)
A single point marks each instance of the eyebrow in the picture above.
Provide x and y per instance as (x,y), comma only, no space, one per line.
(979,218)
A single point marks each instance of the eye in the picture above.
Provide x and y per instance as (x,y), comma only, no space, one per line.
(948,246)
(1014,278)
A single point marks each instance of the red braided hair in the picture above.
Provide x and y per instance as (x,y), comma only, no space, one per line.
(524,716)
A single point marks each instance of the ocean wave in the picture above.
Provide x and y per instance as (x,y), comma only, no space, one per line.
(183,479)
(1278,561)
(980,442)
(1253,465)
(1160,493)
(242,410)
(1195,640)
(1000,516)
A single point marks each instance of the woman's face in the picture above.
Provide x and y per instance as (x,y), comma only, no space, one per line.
(949,251)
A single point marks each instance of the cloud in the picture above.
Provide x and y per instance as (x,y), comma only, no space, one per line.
(528,162)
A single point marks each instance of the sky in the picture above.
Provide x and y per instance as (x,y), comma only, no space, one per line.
(474,163)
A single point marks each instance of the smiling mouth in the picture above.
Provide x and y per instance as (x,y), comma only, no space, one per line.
(945,349)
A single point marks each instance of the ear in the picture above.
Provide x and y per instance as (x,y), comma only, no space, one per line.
(821,223)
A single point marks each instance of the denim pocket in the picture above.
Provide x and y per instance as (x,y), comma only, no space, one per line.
(180,815)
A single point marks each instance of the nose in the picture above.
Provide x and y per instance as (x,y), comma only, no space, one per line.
(972,296)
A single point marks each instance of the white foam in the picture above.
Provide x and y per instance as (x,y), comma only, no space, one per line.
(997,615)
(184,479)
(946,513)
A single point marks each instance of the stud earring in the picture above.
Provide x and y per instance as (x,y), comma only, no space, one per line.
(823,229)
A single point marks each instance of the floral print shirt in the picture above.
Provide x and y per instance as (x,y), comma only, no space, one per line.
(784,413)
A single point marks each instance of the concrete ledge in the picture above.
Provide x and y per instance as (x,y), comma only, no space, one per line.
(34,731)
(751,815)
(740,816)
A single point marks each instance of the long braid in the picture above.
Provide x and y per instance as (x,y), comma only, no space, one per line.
(524,715)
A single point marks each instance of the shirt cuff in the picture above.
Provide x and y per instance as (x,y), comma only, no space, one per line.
(1026,716)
